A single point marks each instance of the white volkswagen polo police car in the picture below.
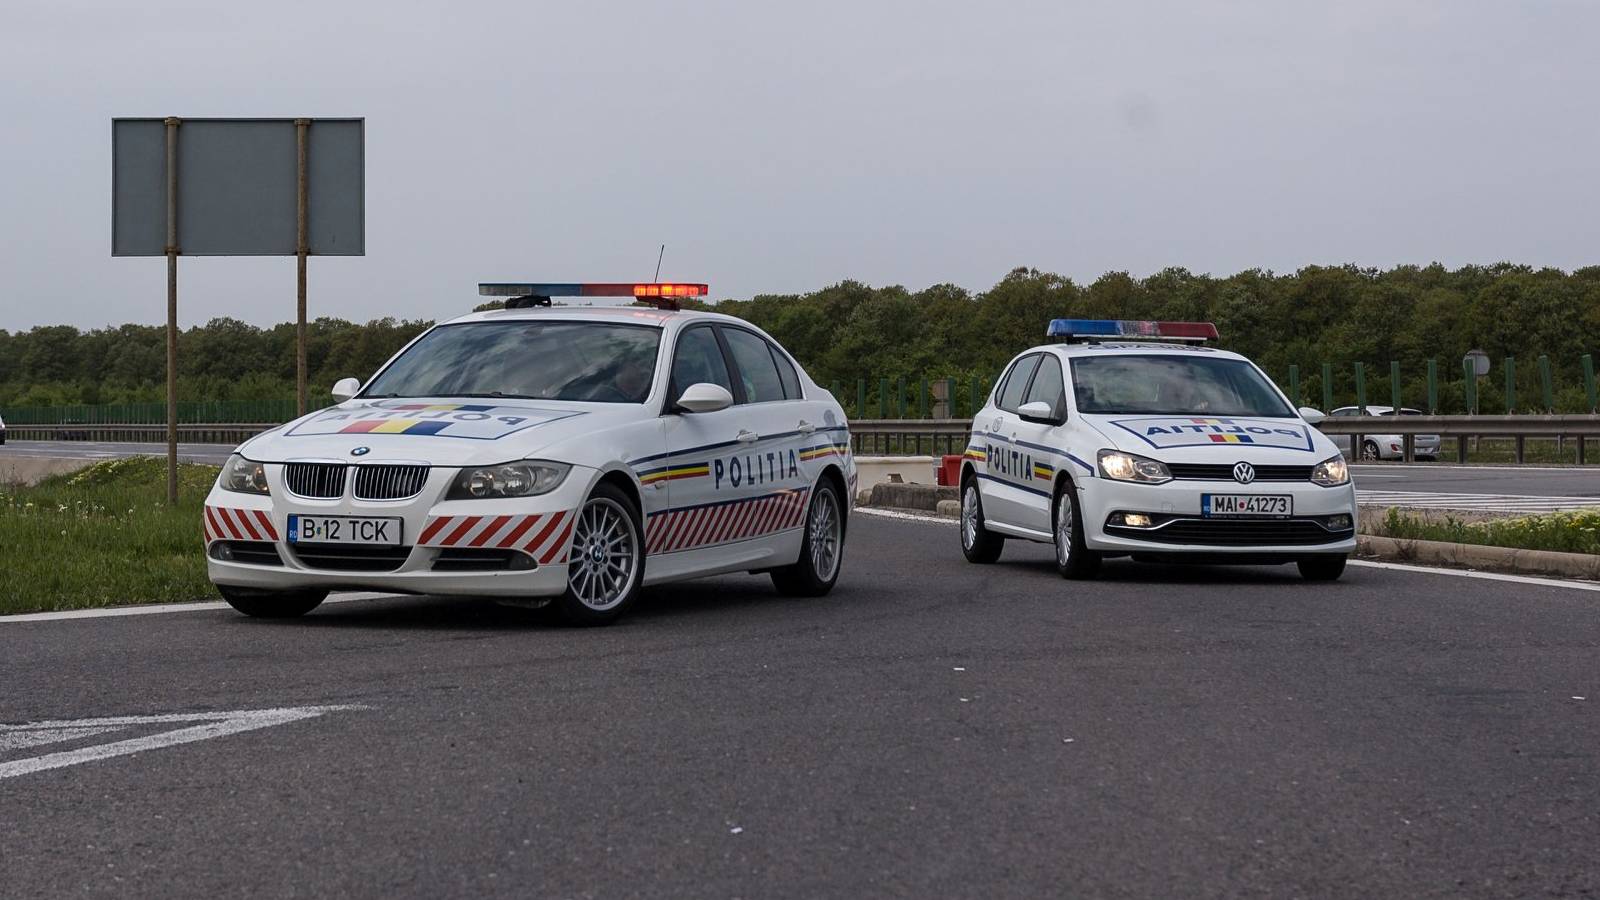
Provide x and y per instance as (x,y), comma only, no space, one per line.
(1126,440)
(564,455)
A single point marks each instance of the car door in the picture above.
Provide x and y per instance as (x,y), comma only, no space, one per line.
(1005,499)
(1034,441)
(768,472)
(698,445)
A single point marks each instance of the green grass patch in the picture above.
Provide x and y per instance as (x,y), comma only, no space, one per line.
(104,536)
(1565,532)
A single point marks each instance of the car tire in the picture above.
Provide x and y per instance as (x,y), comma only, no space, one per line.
(1074,559)
(1321,568)
(1369,450)
(978,543)
(821,550)
(272,604)
(596,594)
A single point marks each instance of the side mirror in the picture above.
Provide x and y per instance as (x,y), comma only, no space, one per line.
(1312,416)
(1039,411)
(345,388)
(704,398)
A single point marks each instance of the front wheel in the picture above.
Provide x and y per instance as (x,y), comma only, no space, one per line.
(1322,568)
(978,543)
(272,604)
(1369,450)
(821,550)
(606,565)
(1074,559)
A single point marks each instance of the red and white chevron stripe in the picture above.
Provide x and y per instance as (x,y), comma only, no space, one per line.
(721,523)
(224,524)
(543,536)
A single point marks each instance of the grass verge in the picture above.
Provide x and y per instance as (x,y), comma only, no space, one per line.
(103,536)
(1566,532)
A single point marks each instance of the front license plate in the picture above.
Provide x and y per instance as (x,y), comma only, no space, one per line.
(344,530)
(1268,505)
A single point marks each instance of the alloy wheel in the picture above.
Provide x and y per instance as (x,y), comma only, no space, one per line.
(605,555)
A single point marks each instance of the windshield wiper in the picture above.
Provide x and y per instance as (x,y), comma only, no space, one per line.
(493,394)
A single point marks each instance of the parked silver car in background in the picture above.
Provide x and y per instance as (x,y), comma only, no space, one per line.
(1384,446)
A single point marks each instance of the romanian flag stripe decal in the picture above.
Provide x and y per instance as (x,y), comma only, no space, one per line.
(673,473)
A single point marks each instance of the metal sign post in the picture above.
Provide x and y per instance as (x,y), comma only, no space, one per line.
(172,310)
(301,249)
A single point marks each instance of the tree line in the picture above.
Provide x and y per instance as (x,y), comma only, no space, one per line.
(850,331)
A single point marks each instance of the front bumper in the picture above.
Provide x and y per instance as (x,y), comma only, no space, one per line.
(1176,508)
(444,547)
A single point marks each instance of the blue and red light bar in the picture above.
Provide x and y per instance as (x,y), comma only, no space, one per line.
(594,289)
(1126,328)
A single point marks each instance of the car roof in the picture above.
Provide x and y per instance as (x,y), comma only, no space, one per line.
(627,313)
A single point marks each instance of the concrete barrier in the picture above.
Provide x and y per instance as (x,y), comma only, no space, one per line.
(875,470)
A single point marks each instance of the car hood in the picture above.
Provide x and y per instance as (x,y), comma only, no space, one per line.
(439,431)
(1203,439)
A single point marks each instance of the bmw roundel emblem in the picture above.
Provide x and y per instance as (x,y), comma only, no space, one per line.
(363,451)
(1244,473)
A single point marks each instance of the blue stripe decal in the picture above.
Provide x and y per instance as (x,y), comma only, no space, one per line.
(1005,440)
(1080,462)
(717,446)
(1013,484)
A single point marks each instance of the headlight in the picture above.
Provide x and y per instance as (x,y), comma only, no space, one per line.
(520,479)
(243,475)
(1119,466)
(1331,472)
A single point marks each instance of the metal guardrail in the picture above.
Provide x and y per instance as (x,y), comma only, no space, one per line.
(934,436)
(919,437)
(1464,428)
(209,433)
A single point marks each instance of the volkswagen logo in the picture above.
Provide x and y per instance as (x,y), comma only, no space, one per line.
(363,451)
(1244,473)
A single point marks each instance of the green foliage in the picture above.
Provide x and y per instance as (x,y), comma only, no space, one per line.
(1566,532)
(850,331)
(65,534)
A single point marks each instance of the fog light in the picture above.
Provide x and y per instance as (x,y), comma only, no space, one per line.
(1136,520)
(222,551)
(1338,523)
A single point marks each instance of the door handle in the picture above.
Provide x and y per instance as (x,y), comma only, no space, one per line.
(806,427)
(746,436)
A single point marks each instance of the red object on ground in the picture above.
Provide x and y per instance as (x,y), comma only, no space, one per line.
(949,472)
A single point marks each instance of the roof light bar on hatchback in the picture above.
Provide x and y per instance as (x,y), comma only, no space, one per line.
(1127,328)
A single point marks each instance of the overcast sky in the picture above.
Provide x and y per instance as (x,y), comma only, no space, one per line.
(784,147)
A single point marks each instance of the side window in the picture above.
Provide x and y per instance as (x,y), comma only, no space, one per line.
(1048,385)
(1017,382)
(786,373)
(756,369)
(699,359)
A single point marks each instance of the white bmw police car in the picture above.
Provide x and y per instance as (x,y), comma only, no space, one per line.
(561,455)
(1109,444)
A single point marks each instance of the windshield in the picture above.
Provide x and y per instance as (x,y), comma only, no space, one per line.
(1173,385)
(532,360)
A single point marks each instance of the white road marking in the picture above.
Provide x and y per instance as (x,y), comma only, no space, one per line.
(214,725)
(157,608)
(17,740)
(1473,573)
(1506,503)
(1371,564)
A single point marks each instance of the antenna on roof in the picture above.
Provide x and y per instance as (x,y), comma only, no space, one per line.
(658,262)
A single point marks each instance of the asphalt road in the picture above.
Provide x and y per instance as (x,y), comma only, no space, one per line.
(215,454)
(931,728)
